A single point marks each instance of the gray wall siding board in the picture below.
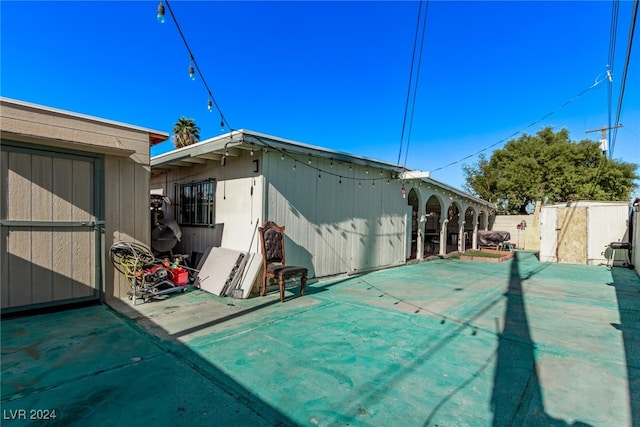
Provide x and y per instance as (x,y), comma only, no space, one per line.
(81,240)
(4,267)
(62,210)
(334,227)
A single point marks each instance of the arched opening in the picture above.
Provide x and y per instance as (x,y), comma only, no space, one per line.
(433,212)
(412,217)
(468,227)
(453,227)
(482,220)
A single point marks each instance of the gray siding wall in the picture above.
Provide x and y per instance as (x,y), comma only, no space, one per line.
(126,212)
(335,227)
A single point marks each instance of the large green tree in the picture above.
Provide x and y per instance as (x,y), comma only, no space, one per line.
(548,166)
(185,132)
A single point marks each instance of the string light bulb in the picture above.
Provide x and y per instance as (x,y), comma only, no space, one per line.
(404,192)
(210,106)
(192,71)
(221,124)
(251,151)
(160,16)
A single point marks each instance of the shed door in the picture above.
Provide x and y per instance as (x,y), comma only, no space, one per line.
(50,244)
(548,234)
(572,235)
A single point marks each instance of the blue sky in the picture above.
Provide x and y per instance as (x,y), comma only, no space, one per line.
(332,73)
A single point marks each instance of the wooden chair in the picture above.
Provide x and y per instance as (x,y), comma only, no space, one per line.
(272,241)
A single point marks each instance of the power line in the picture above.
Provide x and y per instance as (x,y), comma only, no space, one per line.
(415,89)
(413,56)
(597,82)
(632,25)
(612,51)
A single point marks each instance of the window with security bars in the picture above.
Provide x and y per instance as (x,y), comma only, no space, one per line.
(196,203)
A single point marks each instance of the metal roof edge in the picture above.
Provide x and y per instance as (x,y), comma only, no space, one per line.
(303,148)
(245,136)
(460,192)
(201,147)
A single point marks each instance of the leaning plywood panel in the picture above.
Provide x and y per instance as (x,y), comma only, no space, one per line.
(572,235)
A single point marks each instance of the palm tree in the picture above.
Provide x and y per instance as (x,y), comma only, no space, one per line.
(185,132)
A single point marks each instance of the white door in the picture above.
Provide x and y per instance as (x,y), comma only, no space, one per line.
(548,234)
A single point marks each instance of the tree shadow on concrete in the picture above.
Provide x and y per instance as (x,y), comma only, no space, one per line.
(627,288)
(517,399)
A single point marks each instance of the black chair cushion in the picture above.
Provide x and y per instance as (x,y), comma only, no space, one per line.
(278,269)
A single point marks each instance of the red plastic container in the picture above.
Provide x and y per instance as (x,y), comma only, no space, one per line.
(180,276)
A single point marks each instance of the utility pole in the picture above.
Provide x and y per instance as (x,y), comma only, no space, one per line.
(604,145)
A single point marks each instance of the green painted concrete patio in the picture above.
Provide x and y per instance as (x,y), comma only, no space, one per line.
(439,343)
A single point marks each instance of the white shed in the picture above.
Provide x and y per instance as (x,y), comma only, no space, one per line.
(580,232)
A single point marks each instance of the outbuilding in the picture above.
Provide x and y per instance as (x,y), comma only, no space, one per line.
(582,232)
(71,185)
